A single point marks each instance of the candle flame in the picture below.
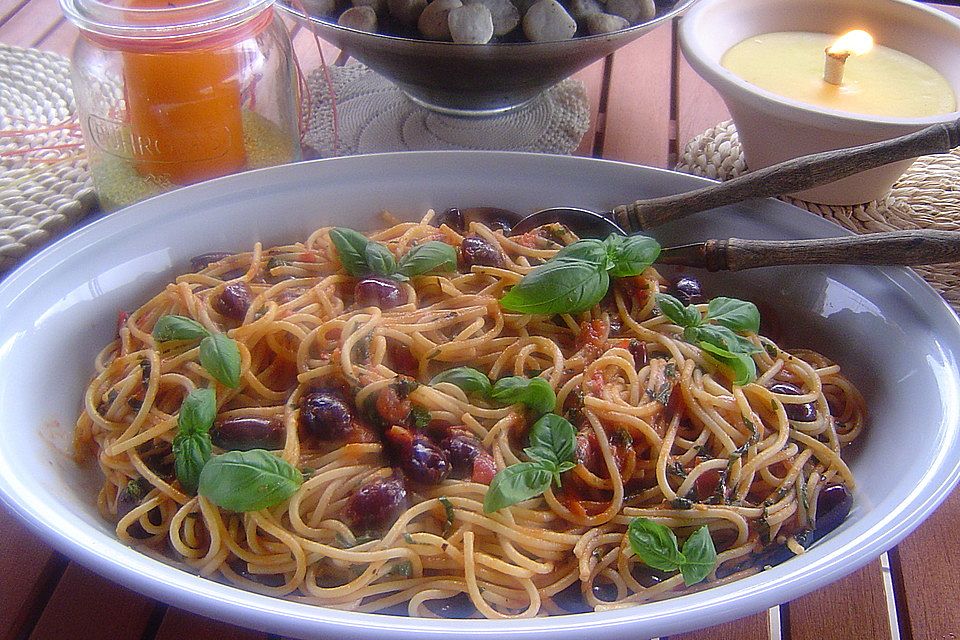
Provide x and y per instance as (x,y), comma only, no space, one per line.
(855,43)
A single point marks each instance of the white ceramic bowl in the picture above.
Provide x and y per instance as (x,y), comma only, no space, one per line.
(773,128)
(894,336)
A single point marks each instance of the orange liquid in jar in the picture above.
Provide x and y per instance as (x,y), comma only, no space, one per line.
(184,110)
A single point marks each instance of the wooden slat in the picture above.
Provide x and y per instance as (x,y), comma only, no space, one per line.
(25,568)
(61,39)
(699,106)
(180,625)
(85,606)
(31,23)
(853,608)
(592,79)
(753,627)
(925,569)
(638,126)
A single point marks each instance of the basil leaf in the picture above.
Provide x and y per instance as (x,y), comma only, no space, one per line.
(734,314)
(725,339)
(683,316)
(700,556)
(516,483)
(567,285)
(170,328)
(248,480)
(467,378)
(379,259)
(742,366)
(448,512)
(552,439)
(220,356)
(191,451)
(351,249)
(589,250)
(536,394)
(655,544)
(433,256)
(197,412)
(633,255)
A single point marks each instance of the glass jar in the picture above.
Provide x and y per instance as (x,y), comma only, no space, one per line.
(172,92)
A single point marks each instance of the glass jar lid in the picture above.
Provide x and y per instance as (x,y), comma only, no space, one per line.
(160,19)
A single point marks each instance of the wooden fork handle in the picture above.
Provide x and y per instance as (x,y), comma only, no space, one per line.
(790,176)
(909,248)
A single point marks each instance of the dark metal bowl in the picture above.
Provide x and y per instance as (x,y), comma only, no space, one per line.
(478,79)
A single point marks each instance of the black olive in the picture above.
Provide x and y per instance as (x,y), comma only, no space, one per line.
(453,218)
(638,349)
(325,415)
(234,300)
(798,412)
(424,462)
(461,451)
(475,250)
(243,433)
(833,507)
(130,498)
(687,290)
(571,600)
(376,505)
(379,292)
(198,263)
(458,606)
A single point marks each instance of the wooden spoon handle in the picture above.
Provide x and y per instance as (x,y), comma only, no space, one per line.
(790,176)
(914,247)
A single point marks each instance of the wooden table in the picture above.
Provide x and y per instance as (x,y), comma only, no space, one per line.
(910,592)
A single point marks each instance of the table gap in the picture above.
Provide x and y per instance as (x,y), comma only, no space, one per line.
(600,133)
(902,602)
(50,576)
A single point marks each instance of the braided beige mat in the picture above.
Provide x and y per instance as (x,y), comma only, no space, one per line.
(44,185)
(927,196)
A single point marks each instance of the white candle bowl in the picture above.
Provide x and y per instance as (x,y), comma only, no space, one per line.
(773,128)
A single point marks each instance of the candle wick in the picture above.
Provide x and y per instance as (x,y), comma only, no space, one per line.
(833,66)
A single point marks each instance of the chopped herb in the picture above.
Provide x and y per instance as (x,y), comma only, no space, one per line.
(662,394)
(276,263)
(408,538)
(361,350)
(763,527)
(677,469)
(671,370)
(773,404)
(307,472)
(754,434)
(112,396)
(448,509)
(421,416)
(403,569)
(770,348)
(681,503)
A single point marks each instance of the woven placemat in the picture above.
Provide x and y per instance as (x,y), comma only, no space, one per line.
(374,115)
(44,184)
(927,196)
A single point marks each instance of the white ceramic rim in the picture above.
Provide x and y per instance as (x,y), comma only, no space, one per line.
(712,71)
(180,588)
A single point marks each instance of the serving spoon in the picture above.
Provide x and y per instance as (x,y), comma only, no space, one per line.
(786,177)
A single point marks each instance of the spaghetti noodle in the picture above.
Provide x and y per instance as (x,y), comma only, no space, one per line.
(395,468)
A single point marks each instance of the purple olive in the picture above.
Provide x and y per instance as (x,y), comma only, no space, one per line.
(687,290)
(234,301)
(833,507)
(376,505)
(325,415)
(374,291)
(797,412)
(461,451)
(638,349)
(424,462)
(475,250)
(243,433)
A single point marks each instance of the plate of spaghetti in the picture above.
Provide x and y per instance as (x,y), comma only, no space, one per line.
(316,399)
